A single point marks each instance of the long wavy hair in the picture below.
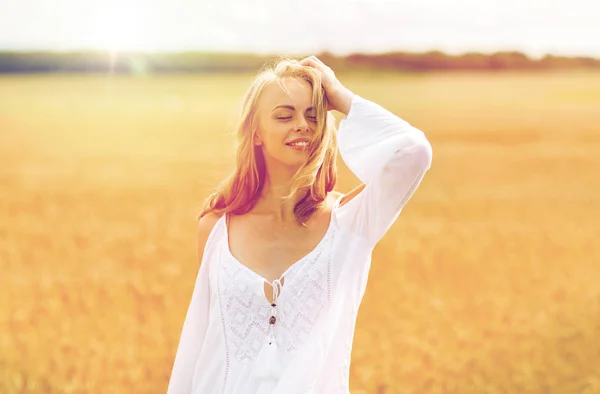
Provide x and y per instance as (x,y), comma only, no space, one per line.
(241,190)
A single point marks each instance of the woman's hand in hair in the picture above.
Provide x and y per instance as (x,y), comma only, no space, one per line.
(338,96)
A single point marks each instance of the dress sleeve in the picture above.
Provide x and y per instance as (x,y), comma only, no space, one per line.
(389,156)
(193,334)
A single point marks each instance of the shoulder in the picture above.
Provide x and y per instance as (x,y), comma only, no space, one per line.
(205,226)
(350,195)
(208,220)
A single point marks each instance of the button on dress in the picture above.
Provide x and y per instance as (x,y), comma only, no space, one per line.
(236,341)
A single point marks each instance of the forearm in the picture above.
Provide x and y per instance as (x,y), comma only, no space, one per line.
(341,99)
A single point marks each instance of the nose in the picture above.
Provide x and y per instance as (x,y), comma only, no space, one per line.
(302,125)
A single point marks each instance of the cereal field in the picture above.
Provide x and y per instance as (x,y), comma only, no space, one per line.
(489,282)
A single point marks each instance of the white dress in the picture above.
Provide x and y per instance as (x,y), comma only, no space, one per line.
(228,344)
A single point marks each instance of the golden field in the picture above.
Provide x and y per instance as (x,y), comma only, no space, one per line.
(489,282)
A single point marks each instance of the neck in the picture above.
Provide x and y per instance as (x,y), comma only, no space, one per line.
(271,203)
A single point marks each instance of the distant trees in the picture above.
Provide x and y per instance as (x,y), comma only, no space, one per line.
(140,63)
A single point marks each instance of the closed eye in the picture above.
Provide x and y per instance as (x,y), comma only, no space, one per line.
(313,118)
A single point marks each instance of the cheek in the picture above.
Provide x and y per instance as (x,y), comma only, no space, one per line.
(279,133)
(275,135)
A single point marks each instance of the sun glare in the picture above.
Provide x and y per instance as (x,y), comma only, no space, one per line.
(121,30)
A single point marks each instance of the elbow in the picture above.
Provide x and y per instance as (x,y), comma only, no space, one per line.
(424,153)
(421,151)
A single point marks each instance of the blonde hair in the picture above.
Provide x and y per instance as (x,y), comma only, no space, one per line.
(240,191)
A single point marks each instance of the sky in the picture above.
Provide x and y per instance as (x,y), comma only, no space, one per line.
(535,27)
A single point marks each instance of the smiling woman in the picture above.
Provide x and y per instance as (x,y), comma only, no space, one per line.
(307,251)
(286,103)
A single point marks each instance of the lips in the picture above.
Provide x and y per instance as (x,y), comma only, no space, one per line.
(298,140)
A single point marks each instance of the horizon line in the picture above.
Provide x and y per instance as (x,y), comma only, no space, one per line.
(292,53)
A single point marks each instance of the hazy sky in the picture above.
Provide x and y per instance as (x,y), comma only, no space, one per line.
(535,27)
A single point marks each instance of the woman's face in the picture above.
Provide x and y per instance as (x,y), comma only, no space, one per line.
(283,118)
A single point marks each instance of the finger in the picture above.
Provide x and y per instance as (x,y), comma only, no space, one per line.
(308,61)
(314,65)
(317,60)
(312,60)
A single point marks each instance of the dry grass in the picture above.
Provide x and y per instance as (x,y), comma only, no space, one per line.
(488,283)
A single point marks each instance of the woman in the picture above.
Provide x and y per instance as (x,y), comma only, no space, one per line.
(284,259)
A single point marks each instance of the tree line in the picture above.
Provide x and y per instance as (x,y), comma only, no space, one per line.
(198,62)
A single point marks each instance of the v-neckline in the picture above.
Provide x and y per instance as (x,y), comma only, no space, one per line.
(306,257)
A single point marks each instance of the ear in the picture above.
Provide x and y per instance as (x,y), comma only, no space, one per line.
(257,139)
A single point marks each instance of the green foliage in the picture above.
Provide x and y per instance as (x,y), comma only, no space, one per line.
(207,62)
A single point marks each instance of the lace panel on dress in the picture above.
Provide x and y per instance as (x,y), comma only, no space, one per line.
(246,310)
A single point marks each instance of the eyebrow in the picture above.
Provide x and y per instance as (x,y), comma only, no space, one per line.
(290,107)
